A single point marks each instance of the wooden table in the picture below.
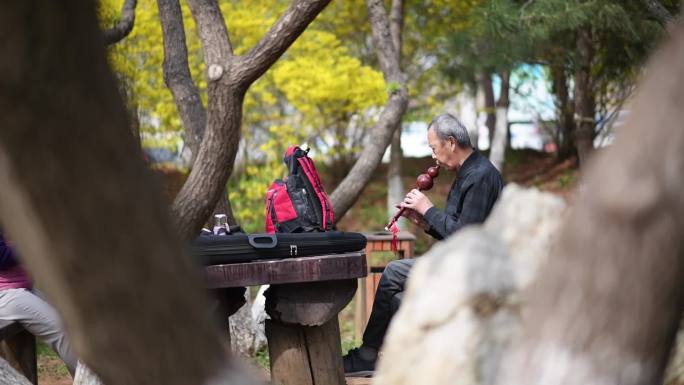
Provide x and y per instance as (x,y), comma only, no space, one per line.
(303,301)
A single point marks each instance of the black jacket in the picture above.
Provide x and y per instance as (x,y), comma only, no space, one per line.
(471,198)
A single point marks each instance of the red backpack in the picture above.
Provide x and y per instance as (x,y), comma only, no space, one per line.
(298,203)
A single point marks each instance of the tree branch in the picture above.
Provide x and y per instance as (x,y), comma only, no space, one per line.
(177,74)
(124,26)
(214,37)
(382,39)
(278,39)
(352,185)
(659,12)
(396,26)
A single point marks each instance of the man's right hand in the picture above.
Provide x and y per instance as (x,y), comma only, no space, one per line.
(415,218)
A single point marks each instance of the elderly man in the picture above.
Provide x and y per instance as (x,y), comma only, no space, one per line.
(475,190)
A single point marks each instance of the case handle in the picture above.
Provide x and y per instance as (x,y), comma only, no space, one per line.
(255,238)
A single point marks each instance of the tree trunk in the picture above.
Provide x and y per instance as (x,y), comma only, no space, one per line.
(177,75)
(497,151)
(565,111)
(659,12)
(395,186)
(609,302)
(185,93)
(584,95)
(105,253)
(351,187)
(489,104)
(228,78)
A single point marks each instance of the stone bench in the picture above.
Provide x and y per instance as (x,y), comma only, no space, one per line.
(18,347)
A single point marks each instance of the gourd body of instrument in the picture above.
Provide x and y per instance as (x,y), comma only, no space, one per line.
(424,182)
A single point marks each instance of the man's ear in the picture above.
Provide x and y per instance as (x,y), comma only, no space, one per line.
(452,143)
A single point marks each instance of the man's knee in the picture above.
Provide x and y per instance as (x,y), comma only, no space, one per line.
(398,268)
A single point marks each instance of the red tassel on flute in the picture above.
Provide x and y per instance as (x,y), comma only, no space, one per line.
(423,183)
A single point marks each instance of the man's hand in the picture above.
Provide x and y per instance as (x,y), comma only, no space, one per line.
(415,218)
(417,201)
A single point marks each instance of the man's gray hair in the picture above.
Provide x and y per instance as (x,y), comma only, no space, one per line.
(447,125)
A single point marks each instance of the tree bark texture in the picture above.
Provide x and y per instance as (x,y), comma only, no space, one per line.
(82,209)
(124,26)
(395,186)
(489,103)
(659,12)
(228,78)
(565,111)
(608,304)
(348,191)
(585,103)
(497,149)
(177,74)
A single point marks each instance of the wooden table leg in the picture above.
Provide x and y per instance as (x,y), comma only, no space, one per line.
(304,334)
(229,300)
(305,355)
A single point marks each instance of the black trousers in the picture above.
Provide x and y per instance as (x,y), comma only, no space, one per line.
(387,301)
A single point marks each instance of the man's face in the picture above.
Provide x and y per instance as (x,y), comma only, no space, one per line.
(442,150)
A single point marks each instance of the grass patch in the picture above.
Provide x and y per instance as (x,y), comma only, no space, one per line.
(566,179)
(49,363)
(262,359)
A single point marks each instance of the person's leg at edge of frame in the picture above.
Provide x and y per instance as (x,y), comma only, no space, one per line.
(39,318)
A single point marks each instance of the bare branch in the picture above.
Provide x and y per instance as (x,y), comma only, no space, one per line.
(396,25)
(278,39)
(124,26)
(352,185)
(177,74)
(382,39)
(659,12)
(213,35)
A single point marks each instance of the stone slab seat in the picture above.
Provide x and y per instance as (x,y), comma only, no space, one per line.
(18,347)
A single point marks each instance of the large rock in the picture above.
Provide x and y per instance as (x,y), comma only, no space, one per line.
(9,375)
(463,302)
(242,329)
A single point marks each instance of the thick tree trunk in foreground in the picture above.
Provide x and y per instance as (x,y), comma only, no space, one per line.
(82,210)
(379,138)
(395,186)
(584,95)
(608,304)
(497,149)
(228,78)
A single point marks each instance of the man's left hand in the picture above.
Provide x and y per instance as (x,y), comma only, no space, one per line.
(417,201)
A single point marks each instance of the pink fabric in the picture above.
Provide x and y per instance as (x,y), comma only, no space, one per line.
(14,278)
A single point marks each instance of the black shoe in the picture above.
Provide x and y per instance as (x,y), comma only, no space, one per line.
(357,366)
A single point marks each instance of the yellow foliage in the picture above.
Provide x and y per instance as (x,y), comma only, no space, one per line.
(311,92)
